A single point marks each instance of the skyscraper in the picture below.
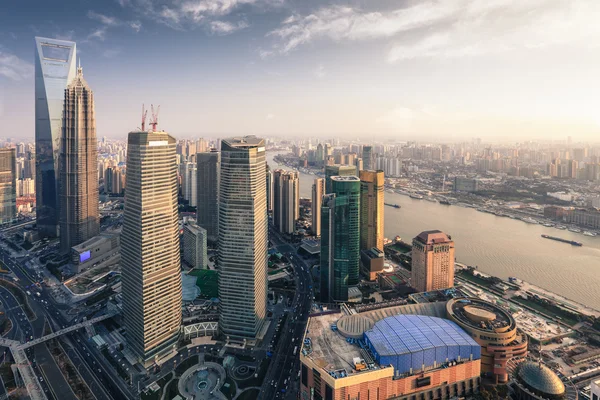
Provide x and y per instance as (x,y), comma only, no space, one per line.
(367,156)
(337,170)
(54,70)
(189,183)
(286,200)
(340,238)
(8,189)
(78,166)
(150,249)
(208,193)
(371,209)
(194,246)
(432,261)
(269,189)
(242,254)
(318,190)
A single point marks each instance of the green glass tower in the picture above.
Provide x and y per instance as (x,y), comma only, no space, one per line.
(340,238)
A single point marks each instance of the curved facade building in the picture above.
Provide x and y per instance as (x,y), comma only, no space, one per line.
(494,329)
(54,70)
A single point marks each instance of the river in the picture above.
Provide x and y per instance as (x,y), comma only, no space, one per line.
(499,246)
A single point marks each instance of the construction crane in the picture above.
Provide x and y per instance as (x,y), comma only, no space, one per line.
(154,121)
(144,114)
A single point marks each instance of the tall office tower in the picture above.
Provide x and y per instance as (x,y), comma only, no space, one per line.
(318,190)
(54,70)
(150,247)
(29,166)
(242,254)
(320,155)
(8,186)
(358,162)
(337,170)
(194,246)
(340,238)
(269,189)
(189,183)
(208,175)
(286,200)
(367,156)
(432,261)
(371,209)
(78,162)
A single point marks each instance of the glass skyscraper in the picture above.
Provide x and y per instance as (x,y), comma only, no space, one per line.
(242,254)
(54,70)
(340,238)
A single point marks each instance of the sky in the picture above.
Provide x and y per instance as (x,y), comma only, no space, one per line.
(364,69)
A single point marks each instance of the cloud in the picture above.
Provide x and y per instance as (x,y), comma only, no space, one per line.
(104,19)
(226,28)
(189,14)
(447,28)
(99,34)
(320,71)
(13,67)
(135,25)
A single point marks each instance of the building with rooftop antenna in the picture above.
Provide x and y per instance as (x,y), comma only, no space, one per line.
(78,162)
(150,246)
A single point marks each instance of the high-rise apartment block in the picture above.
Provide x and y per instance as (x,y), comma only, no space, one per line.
(208,175)
(194,246)
(189,183)
(340,238)
(318,190)
(432,261)
(286,200)
(79,220)
(337,170)
(54,70)
(368,157)
(8,189)
(372,186)
(150,247)
(243,237)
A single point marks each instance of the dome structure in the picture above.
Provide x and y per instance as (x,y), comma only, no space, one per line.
(541,380)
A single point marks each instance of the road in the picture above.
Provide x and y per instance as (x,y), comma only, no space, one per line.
(281,379)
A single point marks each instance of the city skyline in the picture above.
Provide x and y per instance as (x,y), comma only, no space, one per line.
(288,67)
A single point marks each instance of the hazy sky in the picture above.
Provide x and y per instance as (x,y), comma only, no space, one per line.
(404,68)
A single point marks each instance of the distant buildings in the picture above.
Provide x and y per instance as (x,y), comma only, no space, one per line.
(194,246)
(462,184)
(78,162)
(286,200)
(372,185)
(432,261)
(318,190)
(340,238)
(243,236)
(368,157)
(269,189)
(8,189)
(54,70)
(150,254)
(208,193)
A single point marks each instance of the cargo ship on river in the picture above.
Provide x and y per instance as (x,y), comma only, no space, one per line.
(571,242)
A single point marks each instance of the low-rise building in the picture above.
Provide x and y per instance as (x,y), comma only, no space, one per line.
(595,390)
(195,245)
(94,250)
(372,262)
(399,356)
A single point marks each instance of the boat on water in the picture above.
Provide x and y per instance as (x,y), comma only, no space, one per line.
(416,196)
(561,227)
(431,199)
(588,233)
(529,220)
(571,242)
(445,202)
(392,205)
(575,230)
(548,225)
